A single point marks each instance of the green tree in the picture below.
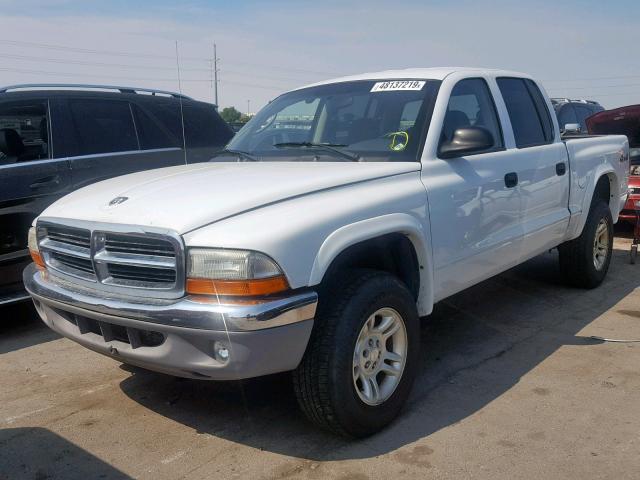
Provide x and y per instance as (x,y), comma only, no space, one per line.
(230,114)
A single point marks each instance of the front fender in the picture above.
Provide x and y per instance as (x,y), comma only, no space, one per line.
(370,228)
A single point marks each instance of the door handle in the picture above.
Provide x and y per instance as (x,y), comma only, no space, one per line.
(45,182)
(511,179)
(561,168)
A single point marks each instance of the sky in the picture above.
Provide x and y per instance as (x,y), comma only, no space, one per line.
(578,49)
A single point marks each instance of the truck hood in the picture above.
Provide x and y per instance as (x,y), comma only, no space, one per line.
(185,198)
(620,121)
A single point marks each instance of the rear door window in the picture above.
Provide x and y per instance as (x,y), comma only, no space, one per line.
(103,126)
(527,122)
(152,133)
(24,131)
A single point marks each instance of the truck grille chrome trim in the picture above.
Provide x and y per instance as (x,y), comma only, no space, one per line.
(115,258)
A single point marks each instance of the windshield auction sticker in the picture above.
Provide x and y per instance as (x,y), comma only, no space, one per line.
(395,85)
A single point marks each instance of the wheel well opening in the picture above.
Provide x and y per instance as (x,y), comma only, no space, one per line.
(603,189)
(393,253)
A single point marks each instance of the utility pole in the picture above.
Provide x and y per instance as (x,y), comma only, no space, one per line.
(248,107)
(215,75)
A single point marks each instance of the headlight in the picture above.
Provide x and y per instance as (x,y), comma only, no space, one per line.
(33,248)
(232,272)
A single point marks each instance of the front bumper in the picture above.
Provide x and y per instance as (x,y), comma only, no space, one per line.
(187,337)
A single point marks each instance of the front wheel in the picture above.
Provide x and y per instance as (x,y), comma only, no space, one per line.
(362,356)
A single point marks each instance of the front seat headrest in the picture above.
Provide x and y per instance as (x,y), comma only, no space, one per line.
(453,120)
(11,143)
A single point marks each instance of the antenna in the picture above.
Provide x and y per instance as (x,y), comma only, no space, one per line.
(184,140)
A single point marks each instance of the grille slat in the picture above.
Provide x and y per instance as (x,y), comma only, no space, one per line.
(81,264)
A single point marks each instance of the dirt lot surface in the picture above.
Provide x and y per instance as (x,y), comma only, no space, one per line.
(511,386)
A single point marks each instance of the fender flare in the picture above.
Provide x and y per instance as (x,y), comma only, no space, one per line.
(598,173)
(363,230)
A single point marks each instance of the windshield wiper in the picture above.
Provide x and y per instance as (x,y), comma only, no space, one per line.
(239,153)
(330,147)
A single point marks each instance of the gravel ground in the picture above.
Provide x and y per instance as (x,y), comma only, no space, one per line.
(511,386)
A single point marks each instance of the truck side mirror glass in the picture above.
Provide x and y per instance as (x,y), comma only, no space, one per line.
(571,129)
(466,141)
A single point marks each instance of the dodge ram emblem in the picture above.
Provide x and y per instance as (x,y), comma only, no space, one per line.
(118,201)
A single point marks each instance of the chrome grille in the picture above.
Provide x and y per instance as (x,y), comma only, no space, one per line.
(115,259)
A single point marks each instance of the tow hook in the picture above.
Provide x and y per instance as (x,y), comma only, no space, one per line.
(113,350)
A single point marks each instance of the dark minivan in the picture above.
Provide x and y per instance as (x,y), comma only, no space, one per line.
(58,138)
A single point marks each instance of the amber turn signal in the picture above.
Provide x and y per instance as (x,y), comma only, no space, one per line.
(237,288)
(37,259)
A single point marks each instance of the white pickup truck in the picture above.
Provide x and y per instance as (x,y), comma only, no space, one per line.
(332,222)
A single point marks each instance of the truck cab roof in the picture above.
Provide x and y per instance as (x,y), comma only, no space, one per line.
(433,73)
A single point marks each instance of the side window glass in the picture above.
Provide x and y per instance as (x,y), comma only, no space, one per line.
(525,120)
(583,113)
(203,127)
(471,105)
(24,131)
(566,115)
(103,126)
(152,133)
(543,111)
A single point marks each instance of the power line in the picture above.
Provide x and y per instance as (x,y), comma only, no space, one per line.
(590,79)
(595,87)
(149,55)
(153,79)
(61,61)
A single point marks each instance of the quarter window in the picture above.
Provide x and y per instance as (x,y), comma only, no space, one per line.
(531,126)
(103,126)
(471,105)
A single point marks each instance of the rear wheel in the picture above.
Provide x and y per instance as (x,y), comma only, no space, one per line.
(584,261)
(362,356)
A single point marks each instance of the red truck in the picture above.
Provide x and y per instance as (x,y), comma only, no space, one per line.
(624,121)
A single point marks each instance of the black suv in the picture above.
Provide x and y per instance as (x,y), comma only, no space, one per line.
(57,138)
(572,112)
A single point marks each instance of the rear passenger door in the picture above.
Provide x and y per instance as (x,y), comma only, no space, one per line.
(104,138)
(541,164)
(30,180)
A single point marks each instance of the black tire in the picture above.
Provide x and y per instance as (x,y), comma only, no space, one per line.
(577,264)
(323,381)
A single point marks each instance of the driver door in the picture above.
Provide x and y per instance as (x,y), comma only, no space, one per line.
(474,211)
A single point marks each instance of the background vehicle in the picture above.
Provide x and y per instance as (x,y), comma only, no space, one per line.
(572,112)
(54,140)
(623,121)
(365,200)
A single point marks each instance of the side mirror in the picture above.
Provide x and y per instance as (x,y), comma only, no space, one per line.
(465,141)
(572,129)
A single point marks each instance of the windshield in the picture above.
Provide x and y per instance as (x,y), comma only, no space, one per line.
(349,121)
